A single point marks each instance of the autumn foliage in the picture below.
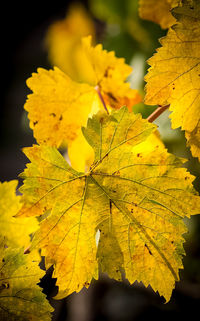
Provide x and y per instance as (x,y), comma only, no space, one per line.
(119,180)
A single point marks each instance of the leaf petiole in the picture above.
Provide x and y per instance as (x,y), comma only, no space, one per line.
(101,98)
(157,113)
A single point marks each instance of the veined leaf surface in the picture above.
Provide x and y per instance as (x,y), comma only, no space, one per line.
(135,197)
(59,107)
(174,75)
(15,231)
(21,299)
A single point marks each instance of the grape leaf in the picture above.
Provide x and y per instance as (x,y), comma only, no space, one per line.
(158,11)
(21,299)
(109,73)
(58,106)
(16,231)
(135,197)
(64,38)
(174,75)
(81,154)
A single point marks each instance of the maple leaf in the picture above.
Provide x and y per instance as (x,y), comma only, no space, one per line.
(58,106)
(135,197)
(158,11)
(20,296)
(174,75)
(16,231)
(64,38)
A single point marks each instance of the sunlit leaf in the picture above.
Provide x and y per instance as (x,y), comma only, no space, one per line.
(81,154)
(174,75)
(136,197)
(64,43)
(21,299)
(58,106)
(110,73)
(16,231)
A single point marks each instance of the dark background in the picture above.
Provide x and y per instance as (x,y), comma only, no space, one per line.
(23,27)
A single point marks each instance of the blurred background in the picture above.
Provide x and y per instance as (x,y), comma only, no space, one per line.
(30,34)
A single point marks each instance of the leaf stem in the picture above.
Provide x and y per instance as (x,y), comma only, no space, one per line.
(157,113)
(27,250)
(101,98)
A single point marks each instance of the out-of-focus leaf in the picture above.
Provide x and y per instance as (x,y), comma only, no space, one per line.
(158,11)
(63,42)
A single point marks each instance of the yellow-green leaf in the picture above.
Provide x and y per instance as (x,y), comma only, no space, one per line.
(136,197)
(174,75)
(16,231)
(21,299)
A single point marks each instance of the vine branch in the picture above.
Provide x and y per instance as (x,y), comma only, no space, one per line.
(157,113)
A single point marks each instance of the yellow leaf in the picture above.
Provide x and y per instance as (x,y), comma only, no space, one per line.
(193,139)
(158,11)
(16,231)
(136,198)
(81,154)
(110,73)
(20,296)
(59,107)
(174,75)
(63,41)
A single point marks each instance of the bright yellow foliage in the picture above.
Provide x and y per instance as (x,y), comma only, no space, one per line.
(193,139)
(174,75)
(64,43)
(58,106)
(109,73)
(21,298)
(81,154)
(158,11)
(16,231)
(135,197)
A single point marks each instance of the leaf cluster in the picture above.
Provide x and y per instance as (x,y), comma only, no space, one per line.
(119,182)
